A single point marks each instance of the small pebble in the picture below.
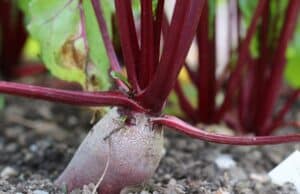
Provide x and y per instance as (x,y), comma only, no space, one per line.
(33,148)
(72,120)
(222,191)
(8,172)
(174,188)
(237,174)
(262,178)
(13,132)
(145,192)
(11,147)
(225,161)
(40,192)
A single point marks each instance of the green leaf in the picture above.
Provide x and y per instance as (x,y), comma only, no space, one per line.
(292,70)
(172,106)
(254,46)
(108,9)
(31,50)
(211,17)
(23,5)
(117,75)
(97,51)
(55,24)
(136,6)
(247,9)
(190,92)
(277,15)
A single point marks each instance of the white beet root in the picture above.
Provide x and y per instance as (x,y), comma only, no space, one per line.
(135,151)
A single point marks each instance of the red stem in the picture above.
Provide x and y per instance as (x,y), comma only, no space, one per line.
(191,73)
(146,67)
(245,92)
(261,69)
(13,37)
(129,41)
(111,53)
(115,66)
(206,71)
(185,128)
(243,54)
(69,97)
(27,70)
(180,35)
(158,23)
(275,80)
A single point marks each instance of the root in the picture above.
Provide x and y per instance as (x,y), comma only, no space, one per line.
(105,169)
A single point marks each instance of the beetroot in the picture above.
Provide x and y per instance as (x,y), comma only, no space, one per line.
(133,150)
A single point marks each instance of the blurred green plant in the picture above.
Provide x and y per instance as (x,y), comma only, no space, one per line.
(71,48)
(292,71)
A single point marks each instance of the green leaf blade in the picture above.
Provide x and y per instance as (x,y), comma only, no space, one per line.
(97,51)
(292,69)
(53,23)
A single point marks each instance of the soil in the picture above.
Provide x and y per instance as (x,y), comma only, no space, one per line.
(37,139)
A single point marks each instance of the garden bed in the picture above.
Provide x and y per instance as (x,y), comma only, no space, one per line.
(37,139)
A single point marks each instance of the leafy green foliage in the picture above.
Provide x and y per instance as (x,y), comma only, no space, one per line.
(119,76)
(292,71)
(277,11)
(31,50)
(55,24)
(277,16)
(136,6)
(71,43)
(191,93)
(247,8)
(23,5)
(212,13)
(173,107)
(97,52)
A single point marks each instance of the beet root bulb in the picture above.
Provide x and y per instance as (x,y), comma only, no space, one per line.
(133,151)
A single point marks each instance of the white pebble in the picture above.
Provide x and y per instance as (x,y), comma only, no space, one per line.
(225,161)
(259,177)
(222,191)
(40,192)
(144,192)
(8,172)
